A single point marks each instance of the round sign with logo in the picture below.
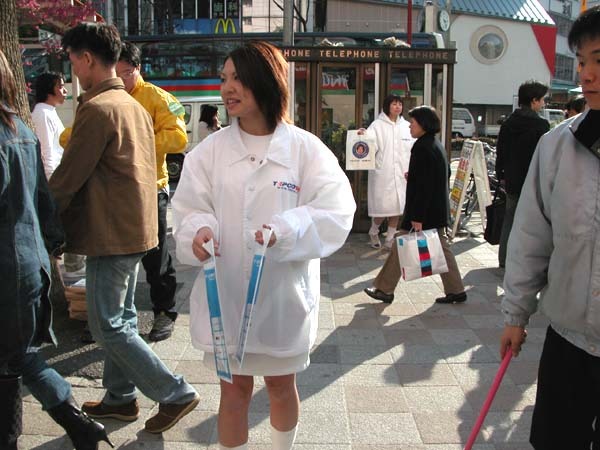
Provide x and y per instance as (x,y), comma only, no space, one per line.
(360,149)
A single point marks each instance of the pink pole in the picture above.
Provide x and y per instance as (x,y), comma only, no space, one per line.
(490,398)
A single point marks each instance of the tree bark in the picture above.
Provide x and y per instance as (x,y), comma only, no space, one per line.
(9,43)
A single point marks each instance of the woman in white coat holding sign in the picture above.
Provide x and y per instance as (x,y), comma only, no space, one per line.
(261,172)
(387,184)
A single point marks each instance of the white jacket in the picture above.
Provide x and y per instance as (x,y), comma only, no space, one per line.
(48,128)
(301,191)
(387,185)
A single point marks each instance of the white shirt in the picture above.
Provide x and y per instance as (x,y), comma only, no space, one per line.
(48,128)
(300,190)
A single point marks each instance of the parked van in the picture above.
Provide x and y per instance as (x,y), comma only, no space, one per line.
(463,124)
(553,116)
(192,106)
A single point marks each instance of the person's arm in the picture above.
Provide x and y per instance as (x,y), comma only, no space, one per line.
(92,130)
(320,224)
(419,175)
(43,130)
(169,127)
(193,207)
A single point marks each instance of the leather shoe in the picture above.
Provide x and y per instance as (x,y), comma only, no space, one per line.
(169,414)
(377,294)
(452,298)
(127,412)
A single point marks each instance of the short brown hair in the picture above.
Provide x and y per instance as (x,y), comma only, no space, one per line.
(262,68)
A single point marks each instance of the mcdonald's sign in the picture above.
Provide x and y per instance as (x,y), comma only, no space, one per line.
(225,25)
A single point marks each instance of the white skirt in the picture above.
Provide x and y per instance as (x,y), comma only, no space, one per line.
(262,365)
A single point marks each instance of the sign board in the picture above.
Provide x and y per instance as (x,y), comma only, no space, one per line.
(360,151)
(472,162)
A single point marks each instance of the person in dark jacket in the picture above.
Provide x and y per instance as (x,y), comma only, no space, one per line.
(517,140)
(426,207)
(29,228)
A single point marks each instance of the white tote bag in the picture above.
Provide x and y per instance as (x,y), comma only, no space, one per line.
(421,254)
(360,151)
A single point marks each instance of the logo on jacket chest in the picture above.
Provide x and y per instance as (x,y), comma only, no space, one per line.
(286,186)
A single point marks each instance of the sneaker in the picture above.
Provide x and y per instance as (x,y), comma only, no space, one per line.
(375,242)
(128,412)
(162,327)
(169,414)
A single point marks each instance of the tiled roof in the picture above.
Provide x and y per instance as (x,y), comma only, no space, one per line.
(520,10)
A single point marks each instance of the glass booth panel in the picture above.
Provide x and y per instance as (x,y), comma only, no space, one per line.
(300,94)
(409,84)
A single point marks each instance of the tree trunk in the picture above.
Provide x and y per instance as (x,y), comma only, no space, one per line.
(9,44)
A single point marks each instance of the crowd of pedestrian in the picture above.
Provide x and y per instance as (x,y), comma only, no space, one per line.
(99,190)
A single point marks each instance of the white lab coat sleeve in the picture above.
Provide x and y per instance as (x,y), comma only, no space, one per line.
(193,205)
(43,130)
(320,224)
(530,244)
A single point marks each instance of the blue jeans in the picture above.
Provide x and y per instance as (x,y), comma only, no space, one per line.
(130,362)
(45,384)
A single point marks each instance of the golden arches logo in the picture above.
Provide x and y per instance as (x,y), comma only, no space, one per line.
(225,25)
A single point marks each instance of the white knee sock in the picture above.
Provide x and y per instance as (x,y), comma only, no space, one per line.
(283,440)
(374,230)
(390,234)
(239,447)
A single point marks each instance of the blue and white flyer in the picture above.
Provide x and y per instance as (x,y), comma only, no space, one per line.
(253,287)
(216,321)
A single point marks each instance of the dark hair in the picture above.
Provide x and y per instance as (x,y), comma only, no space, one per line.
(44,85)
(388,101)
(207,113)
(427,117)
(8,93)
(261,67)
(531,90)
(586,26)
(130,54)
(98,38)
(576,103)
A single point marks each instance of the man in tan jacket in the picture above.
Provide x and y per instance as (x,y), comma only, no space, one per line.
(105,187)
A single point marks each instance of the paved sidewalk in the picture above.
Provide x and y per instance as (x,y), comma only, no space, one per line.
(408,376)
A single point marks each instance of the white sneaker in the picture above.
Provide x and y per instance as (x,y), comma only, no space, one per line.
(375,242)
(74,275)
(388,244)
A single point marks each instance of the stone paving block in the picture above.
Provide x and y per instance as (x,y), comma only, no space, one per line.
(319,375)
(366,311)
(197,427)
(392,323)
(508,427)
(375,399)
(396,308)
(467,353)
(455,337)
(365,354)
(383,428)
(476,375)
(445,427)
(437,322)
(420,447)
(355,336)
(395,337)
(522,372)
(196,372)
(370,375)
(356,322)
(438,374)
(416,353)
(486,321)
(329,354)
(435,398)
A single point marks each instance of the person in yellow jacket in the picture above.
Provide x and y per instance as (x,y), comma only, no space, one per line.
(170,137)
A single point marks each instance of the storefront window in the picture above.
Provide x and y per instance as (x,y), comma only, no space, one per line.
(409,84)
(300,89)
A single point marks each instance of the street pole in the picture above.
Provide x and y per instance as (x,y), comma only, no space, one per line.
(409,23)
(288,22)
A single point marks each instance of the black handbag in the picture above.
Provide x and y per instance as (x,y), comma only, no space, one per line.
(494,217)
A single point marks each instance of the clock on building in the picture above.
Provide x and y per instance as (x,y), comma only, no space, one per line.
(443,20)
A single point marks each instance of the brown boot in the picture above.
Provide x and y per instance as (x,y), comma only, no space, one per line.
(169,414)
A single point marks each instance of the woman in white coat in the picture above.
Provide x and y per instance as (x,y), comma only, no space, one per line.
(261,172)
(387,184)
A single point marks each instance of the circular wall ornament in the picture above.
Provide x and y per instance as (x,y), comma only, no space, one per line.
(488,44)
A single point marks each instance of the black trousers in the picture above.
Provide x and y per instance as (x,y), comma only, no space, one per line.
(158,264)
(567,404)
